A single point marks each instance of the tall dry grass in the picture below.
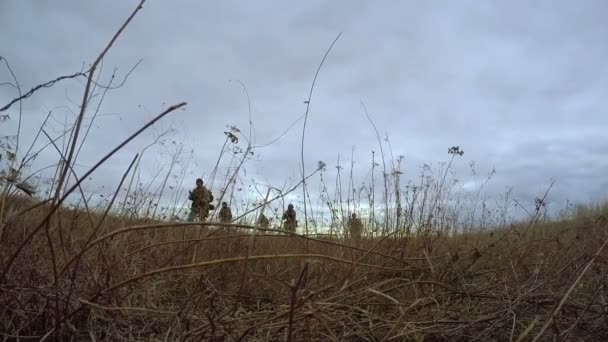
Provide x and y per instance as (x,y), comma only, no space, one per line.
(140,282)
(425,270)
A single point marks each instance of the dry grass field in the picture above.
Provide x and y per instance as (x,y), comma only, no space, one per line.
(90,278)
(434,271)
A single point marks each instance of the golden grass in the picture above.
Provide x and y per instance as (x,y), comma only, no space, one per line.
(76,275)
(142,281)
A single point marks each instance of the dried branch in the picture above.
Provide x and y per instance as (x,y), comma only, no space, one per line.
(30,236)
(36,88)
(312,87)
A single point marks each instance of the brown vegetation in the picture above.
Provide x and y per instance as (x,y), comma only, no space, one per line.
(427,271)
(143,282)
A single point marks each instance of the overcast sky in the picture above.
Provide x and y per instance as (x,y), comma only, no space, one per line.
(520,86)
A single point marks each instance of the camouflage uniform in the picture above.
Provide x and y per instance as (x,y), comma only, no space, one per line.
(225,213)
(263,221)
(200,198)
(290,219)
(355,226)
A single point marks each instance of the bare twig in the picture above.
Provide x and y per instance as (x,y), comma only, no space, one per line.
(36,88)
(304,131)
(29,237)
(85,99)
(385,175)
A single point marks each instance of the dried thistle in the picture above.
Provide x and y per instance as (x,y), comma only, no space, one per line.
(455,150)
(321,165)
(539,203)
(233,138)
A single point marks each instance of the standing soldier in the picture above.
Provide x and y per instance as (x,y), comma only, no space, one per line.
(355,226)
(225,213)
(263,221)
(200,198)
(290,219)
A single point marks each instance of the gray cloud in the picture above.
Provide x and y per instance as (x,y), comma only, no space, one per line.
(518,86)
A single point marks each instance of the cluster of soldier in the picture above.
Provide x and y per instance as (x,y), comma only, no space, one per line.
(202,199)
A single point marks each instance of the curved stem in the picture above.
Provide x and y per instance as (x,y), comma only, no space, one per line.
(304,131)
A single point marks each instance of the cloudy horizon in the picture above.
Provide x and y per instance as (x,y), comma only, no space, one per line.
(519,87)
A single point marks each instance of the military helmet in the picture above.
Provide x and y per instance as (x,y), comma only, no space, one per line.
(224,204)
(199,181)
(290,206)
